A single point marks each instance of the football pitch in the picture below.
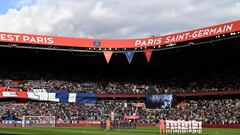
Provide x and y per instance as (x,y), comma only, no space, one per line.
(97,131)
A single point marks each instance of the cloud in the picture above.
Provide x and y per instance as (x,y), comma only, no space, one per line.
(116,18)
(20,3)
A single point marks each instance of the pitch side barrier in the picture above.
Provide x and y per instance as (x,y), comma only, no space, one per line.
(138,125)
(155,41)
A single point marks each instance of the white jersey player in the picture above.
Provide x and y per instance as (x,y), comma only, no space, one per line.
(172,126)
(200,127)
(179,126)
(184,126)
(194,126)
(189,126)
(168,126)
(175,126)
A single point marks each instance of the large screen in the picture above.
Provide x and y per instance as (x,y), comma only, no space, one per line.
(162,101)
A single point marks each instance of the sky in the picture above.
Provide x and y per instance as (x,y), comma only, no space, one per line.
(113,19)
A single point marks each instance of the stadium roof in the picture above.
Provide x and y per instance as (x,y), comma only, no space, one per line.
(171,40)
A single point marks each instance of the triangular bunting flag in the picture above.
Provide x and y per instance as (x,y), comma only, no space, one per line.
(108,55)
(129,54)
(148,54)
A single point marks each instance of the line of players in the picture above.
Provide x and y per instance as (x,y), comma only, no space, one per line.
(181,126)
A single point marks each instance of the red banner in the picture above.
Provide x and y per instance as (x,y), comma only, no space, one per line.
(131,117)
(3,88)
(13,94)
(108,55)
(89,122)
(120,43)
(148,54)
(138,104)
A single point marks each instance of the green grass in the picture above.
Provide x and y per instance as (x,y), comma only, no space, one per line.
(97,131)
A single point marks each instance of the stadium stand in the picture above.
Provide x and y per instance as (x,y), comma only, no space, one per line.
(221,111)
(190,81)
(196,71)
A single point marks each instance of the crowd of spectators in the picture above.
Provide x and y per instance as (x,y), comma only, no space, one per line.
(224,111)
(62,111)
(214,111)
(165,83)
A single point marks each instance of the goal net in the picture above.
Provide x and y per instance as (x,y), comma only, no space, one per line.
(38,121)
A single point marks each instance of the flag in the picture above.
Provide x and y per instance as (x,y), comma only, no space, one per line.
(86,98)
(148,54)
(59,96)
(108,55)
(129,54)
